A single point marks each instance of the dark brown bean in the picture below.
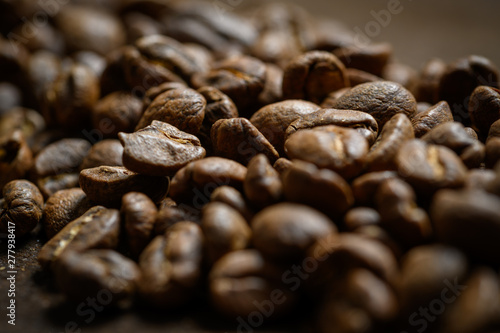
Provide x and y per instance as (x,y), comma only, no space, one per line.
(106,152)
(16,157)
(159,149)
(262,184)
(430,76)
(364,187)
(435,115)
(369,58)
(282,164)
(492,152)
(479,179)
(484,108)
(357,76)
(51,184)
(361,217)
(21,207)
(234,198)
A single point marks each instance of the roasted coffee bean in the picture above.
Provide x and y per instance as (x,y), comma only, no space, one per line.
(282,164)
(313,75)
(461,78)
(329,147)
(282,233)
(472,133)
(435,115)
(43,68)
(492,152)
(63,156)
(219,106)
(225,230)
(139,25)
(329,101)
(242,78)
(370,58)
(28,121)
(382,155)
(357,76)
(361,217)
(382,100)
(494,129)
(170,54)
(379,234)
(98,272)
(322,189)
(168,215)
(454,136)
(21,207)
(92,60)
(70,99)
(273,120)
(232,197)
(63,207)
(361,121)
(198,179)
(106,152)
(238,139)
(159,149)
(402,74)
(182,108)
(479,179)
(262,184)
(117,112)
(364,187)
(107,185)
(139,215)
(98,228)
(426,271)
(15,157)
(181,250)
(430,167)
(396,203)
(428,84)
(273,91)
(241,279)
(86,28)
(51,184)
(468,219)
(156,91)
(477,307)
(341,316)
(484,108)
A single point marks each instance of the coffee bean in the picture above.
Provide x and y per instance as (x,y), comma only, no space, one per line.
(272,92)
(360,217)
(241,279)
(21,207)
(232,197)
(468,219)
(198,179)
(484,108)
(370,58)
(63,207)
(182,108)
(479,179)
(224,229)
(168,215)
(313,75)
(357,76)
(15,157)
(116,112)
(139,215)
(262,184)
(153,92)
(28,121)
(107,185)
(364,187)
(51,184)
(219,105)
(159,149)
(329,147)
(106,152)
(428,84)
(273,120)
(361,121)
(394,134)
(238,139)
(282,164)
(63,156)
(97,228)
(181,250)
(402,74)
(280,231)
(322,189)
(382,100)
(492,152)
(98,272)
(494,129)
(329,101)
(424,121)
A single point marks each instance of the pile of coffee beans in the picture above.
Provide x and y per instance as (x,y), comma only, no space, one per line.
(172,151)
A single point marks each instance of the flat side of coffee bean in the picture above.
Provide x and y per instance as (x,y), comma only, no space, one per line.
(139,216)
(468,219)
(361,121)
(273,120)
(63,207)
(382,100)
(62,156)
(106,152)
(423,122)
(21,207)
(159,149)
(170,266)
(182,108)
(240,140)
(225,230)
(281,231)
(322,189)
(382,155)
(313,75)
(107,185)
(97,228)
(16,157)
(79,275)
(262,184)
(329,147)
